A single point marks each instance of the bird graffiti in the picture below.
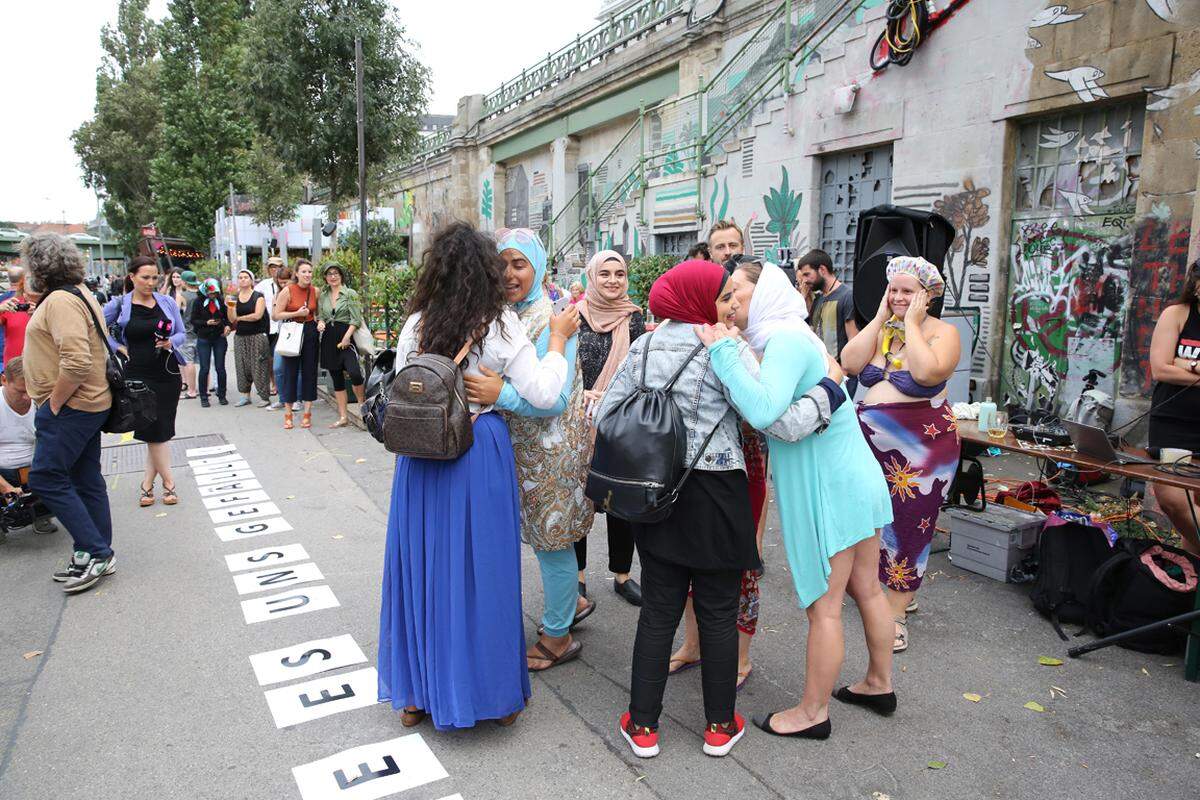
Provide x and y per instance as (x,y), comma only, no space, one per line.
(1032,43)
(1173,95)
(1054,138)
(1165,9)
(1080,203)
(1082,81)
(1054,15)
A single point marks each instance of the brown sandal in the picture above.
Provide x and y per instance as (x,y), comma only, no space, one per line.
(169,496)
(287,420)
(411,718)
(147,498)
(505,722)
(306,420)
(570,654)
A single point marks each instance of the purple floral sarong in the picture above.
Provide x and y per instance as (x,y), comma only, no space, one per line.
(917,446)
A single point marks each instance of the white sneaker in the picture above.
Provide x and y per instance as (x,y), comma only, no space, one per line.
(96,569)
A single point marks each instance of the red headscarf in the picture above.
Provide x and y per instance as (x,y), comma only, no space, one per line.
(688,292)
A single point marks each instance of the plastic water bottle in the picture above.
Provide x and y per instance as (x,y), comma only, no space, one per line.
(987,410)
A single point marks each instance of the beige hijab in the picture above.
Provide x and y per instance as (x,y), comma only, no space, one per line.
(604,315)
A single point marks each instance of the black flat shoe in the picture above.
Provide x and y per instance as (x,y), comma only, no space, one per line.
(819,731)
(582,589)
(629,590)
(882,704)
(580,616)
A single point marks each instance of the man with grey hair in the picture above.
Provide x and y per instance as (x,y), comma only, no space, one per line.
(65,359)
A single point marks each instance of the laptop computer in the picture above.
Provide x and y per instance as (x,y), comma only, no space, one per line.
(1093,442)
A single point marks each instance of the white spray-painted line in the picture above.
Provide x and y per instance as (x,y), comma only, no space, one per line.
(245,530)
(274,556)
(370,771)
(227,487)
(306,659)
(244,512)
(288,604)
(323,697)
(275,578)
(235,499)
(210,451)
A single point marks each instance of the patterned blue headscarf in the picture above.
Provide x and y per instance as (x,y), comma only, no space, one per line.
(529,244)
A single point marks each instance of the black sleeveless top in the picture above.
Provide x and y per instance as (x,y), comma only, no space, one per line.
(260,325)
(1176,414)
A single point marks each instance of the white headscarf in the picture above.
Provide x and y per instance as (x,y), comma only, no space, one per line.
(776,306)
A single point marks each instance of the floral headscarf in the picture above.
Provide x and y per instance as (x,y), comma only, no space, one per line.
(210,290)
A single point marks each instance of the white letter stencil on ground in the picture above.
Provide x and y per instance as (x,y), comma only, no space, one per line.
(200,462)
(223,477)
(274,578)
(371,771)
(266,556)
(320,697)
(256,527)
(251,511)
(235,499)
(288,604)
(224,466)
(195,452)
(305,659)
(228,487)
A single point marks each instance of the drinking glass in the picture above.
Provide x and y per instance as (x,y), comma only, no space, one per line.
(998,426)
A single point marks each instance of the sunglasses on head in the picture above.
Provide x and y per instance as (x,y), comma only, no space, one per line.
(522,235)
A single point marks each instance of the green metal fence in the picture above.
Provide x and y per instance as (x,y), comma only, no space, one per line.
(678,136)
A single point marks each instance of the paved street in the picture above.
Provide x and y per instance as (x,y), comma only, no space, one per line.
(144,687)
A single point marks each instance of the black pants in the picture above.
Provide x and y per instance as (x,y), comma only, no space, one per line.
(620,547)
(347,366)
(304,366)
(715,599)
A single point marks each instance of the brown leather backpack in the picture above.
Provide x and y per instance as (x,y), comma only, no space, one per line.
(427,415)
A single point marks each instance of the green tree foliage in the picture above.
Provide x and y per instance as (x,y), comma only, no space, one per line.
(384,244)
(300,62)
(205,130)
(643,272)
(274,188)
(116,145)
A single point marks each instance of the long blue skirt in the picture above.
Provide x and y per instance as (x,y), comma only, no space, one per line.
(451,639)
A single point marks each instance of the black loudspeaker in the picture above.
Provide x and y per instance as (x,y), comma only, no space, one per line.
(885,232)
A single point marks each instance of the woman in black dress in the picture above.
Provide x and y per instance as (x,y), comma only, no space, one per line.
(1175,418)
(609,323)
(150,329)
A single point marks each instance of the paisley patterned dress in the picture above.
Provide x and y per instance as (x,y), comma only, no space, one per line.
(552,455)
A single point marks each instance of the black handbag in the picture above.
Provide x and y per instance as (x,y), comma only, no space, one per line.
(134,404)
(637,469)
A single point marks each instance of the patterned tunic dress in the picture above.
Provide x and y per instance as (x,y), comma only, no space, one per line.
(552,455)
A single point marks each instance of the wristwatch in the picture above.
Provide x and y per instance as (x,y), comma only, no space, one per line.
(1192,366)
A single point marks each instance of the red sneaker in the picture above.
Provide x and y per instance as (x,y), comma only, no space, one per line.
(643,741)
(720,739)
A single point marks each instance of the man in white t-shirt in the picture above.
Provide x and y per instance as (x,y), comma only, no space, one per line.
(268,287)
(16,442)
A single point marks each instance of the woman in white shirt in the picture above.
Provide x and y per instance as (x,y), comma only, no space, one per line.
(451,639)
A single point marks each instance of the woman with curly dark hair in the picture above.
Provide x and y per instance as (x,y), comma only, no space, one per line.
(451,640)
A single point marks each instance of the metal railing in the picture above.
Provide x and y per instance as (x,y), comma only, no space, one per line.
(586,51)
(677,137)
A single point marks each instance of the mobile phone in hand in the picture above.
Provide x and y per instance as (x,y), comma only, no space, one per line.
(562,303)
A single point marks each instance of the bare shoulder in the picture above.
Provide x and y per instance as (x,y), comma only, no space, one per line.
(939,329)
(1175,314)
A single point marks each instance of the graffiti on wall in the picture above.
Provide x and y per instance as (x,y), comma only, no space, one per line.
(1160,249)
(485,202)
(783,210)
(967,211)
(1069,288)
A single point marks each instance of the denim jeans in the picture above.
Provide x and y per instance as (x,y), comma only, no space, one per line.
(212,350)
(66,475)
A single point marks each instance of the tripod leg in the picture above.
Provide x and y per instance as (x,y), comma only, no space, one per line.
(1191,660)
(1107,641)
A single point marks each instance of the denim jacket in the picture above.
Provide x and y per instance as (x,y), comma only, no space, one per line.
(704,400)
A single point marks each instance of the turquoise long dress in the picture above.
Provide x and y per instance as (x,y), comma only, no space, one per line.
(830,489)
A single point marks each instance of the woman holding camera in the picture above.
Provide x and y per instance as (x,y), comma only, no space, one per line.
(150,329)
(1175,414)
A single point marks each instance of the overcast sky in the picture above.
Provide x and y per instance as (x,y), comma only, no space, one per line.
(52,47)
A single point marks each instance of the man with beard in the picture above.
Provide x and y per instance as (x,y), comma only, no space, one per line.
(832,314)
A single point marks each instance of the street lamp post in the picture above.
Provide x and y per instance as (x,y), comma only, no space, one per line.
(362,165)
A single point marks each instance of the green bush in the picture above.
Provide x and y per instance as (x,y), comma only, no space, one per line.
(643,272)
(388,290)
(384,243)
(210,268)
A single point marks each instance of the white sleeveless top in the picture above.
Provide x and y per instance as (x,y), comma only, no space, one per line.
(16,436)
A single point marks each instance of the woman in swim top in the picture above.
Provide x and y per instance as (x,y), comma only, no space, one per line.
(905,357)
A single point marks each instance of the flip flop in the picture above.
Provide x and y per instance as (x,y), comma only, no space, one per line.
(570,654)
(686,666)
(580,616)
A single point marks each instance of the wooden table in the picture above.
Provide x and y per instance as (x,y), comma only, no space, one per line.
(968,431)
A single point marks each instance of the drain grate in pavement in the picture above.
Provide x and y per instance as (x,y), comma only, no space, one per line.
(123,458)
